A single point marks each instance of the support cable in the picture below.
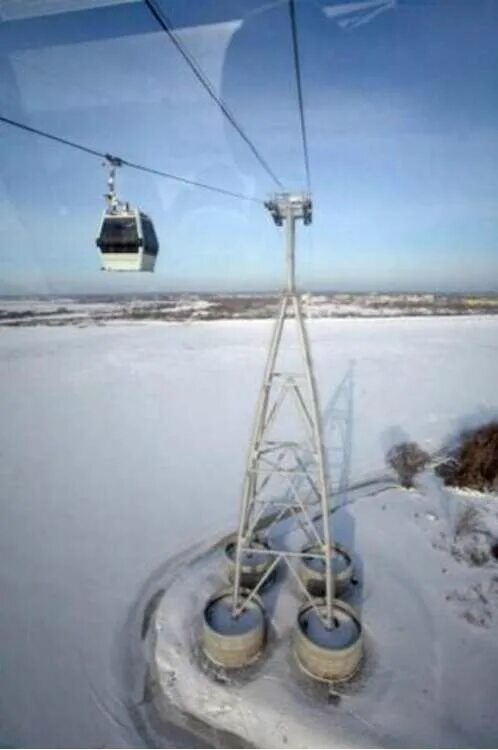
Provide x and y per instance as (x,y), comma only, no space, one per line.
(124,162)
(297,67)
(166,25)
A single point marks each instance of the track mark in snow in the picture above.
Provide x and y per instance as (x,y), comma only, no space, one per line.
(476,603)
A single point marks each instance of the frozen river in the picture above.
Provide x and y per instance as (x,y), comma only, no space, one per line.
(122,445)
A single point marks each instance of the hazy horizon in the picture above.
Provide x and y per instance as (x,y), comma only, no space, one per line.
(248,292)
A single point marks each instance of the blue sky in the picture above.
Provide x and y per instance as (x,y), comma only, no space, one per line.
(402,112)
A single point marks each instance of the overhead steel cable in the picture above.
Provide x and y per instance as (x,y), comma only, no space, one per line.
(165,24)
(50,136)
(117,160)
(297,66)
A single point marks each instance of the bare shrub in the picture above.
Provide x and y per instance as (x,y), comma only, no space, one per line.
(474,464)
(473,542)
(407,459)
(467,521)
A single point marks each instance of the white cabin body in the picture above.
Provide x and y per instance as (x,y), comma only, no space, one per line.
(127,240)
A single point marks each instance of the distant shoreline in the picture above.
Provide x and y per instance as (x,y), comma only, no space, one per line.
(84,310)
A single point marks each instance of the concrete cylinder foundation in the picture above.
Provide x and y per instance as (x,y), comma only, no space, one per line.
(231,642)
(312,570)
(254,564)
(328,655)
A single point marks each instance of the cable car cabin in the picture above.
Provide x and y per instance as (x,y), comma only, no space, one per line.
(127,241)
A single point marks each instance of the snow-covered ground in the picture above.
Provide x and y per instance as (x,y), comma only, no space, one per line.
(122,446)
(429,676)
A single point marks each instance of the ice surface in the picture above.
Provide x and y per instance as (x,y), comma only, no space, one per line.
(122,446)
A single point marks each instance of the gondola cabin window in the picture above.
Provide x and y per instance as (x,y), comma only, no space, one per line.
(119,235)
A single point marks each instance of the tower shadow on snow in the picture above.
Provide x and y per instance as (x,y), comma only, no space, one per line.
(338,426)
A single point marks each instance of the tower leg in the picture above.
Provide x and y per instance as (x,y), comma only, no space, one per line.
(258,430)
(318,439)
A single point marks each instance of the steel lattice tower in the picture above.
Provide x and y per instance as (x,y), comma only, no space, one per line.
(299,463)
